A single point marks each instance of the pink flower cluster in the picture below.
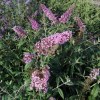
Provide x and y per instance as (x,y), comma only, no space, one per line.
(43,46)
(34,24)
(94,73)
(63,19)
(66,16)
(28,57)
(20,32)
(7,2)
(80,24)
(48,13)
(39,79)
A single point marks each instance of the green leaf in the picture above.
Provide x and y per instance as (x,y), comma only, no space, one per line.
(28,65)
(1,44)
(61,79)
(69,83)
(91,98)
(95,90)
(21,42)
(6,97)
(74,97)
(61,93)
(57,81)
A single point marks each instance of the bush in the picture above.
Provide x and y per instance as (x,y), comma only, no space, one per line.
(40,59)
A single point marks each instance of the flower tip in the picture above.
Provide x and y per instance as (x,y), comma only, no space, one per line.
(29,18)
(19,30)
(73,4)
(14,27)
(41,5)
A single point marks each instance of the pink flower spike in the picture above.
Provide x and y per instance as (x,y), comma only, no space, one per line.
(66,16)
(28,57)
(20,32)
(7,2)
(46,43)
(35,14)
(34,24)
(48,13)
(94,73)
(80,23)
(39,79)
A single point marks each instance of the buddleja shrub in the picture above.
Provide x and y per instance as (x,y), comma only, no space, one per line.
(53,58)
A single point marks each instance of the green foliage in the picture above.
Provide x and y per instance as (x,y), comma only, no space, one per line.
(61,93)
(71,62)
(94,92)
